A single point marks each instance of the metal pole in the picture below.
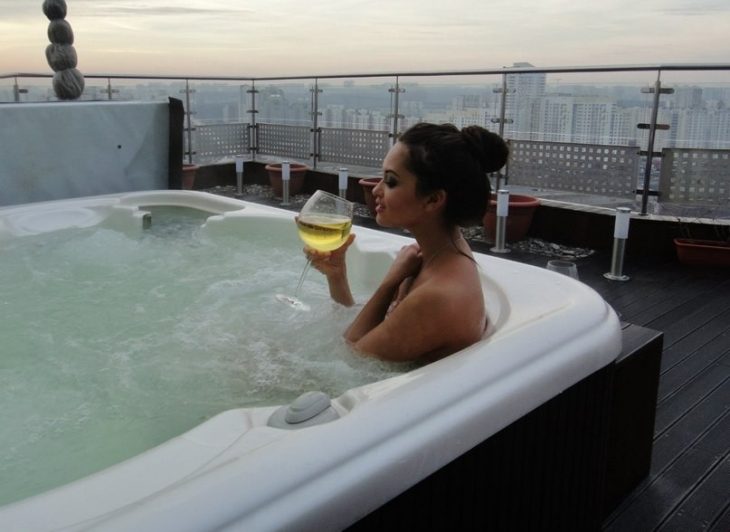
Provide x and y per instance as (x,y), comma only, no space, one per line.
(315,123)
(239,175)
(285,176)
(17,91)
(503,106)
(188,113)
(650,147)
(342,182)
(501,227)
(620,235)
(502,121)
(253,144)
(395,91)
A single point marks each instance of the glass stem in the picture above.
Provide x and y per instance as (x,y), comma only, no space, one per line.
(301,279)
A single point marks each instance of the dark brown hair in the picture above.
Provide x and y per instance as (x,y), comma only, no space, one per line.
(444,158)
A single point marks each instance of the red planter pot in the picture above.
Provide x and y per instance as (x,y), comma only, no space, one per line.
(702,252)
(188,176)
(368,184)
(519,217)
(296,178)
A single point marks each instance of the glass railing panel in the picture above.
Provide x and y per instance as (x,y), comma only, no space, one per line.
(219,119)
(354,121)
(577,132)
(458,100)
(7,90)
(284,120)
(697,110)
(695,163)
(284,102)
(27,90)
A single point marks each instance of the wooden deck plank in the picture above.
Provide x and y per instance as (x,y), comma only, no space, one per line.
(722,524)
(693,364)
(660,498)
(691,344)
(702,305)
(689,396)
(711,417)
(664,300)
(683,321)
(690,431)
(705,504)
(685,325)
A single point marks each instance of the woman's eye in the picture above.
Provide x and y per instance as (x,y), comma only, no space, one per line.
(389,181)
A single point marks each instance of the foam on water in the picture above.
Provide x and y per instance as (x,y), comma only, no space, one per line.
(112,345)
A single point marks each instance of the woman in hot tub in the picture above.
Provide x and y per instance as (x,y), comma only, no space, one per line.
(430,303)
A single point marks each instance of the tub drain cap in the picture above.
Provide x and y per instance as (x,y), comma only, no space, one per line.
(310,408)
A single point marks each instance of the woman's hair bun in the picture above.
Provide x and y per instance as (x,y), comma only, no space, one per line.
(486,147)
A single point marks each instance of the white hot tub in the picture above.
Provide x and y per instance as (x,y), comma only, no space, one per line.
(548,333)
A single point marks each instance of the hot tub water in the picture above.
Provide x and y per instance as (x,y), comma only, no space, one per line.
(112,345)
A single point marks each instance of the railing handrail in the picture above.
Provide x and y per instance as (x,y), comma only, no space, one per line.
(660,67)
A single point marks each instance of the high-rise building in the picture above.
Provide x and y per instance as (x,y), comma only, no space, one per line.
(524,92)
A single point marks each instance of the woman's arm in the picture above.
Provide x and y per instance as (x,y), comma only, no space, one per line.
(406,265)
(419,328)
(333,265)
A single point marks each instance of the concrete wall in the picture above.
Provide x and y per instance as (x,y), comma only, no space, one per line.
(54,151)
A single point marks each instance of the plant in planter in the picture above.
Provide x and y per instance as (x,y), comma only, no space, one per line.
(296,178)
(521,210)
(704,251)
(368,184)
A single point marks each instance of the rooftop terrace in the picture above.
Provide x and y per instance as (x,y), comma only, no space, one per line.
(687,485)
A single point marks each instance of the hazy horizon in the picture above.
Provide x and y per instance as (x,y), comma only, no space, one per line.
(277,38)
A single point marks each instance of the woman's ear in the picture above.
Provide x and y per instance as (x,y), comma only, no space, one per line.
(436,200)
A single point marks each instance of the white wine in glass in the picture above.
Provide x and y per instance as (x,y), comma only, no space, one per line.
(324,224)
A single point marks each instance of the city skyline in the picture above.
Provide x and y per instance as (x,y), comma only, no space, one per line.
(224,37)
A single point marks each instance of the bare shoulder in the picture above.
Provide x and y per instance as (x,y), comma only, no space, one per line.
(452,295)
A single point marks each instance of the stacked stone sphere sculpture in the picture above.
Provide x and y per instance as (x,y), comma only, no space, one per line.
(68,82)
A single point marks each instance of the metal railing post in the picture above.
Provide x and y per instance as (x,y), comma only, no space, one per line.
(188,114)
(253,128)
(109,90)
(502,120)
(17,91)
(652,126)
(395,104)
(315,123)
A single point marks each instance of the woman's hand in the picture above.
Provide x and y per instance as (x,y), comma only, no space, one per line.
(407,264)
(330,263)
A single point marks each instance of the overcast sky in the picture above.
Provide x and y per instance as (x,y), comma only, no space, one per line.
(289,37)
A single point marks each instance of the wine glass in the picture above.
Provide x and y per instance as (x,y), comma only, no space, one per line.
(324,224)
(566,267)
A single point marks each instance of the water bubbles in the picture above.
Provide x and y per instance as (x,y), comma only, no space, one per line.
(121,343)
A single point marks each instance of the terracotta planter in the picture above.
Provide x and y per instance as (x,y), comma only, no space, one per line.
(519,217)
(296,178)
(702,252)
(188,176)
(368,184)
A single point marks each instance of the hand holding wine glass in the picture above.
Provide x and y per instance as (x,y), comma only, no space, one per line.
(324,224)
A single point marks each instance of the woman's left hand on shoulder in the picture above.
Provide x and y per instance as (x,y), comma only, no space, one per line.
(407,263)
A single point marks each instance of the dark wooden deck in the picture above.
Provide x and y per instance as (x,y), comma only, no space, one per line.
(688,487)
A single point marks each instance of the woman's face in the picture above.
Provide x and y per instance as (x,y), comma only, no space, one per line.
(396,201)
